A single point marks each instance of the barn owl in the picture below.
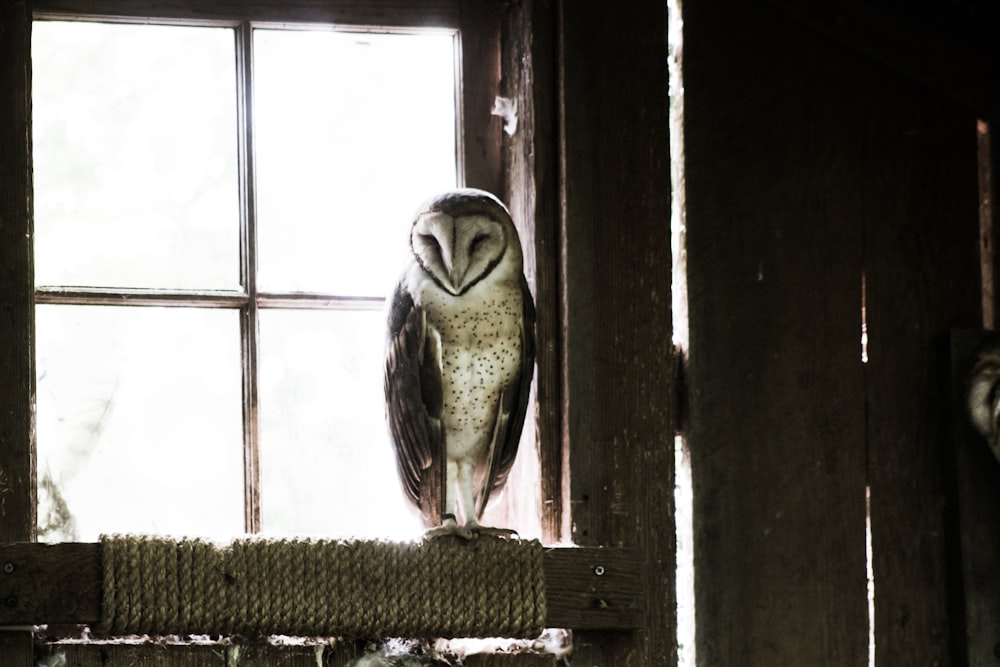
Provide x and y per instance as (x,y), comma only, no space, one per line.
(459,359)
(984,394)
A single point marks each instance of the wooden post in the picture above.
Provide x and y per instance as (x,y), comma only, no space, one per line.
(919,208)
(617,348)
(17,375)
(776,413)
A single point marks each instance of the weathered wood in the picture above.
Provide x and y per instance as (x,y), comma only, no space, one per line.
(617,349)
(776,420)
(61,584)
(152,654)
(146,655)
(480,84)
(989,226)
(17,373)
(387,13)
(919,208)
(17,649)
(530,159)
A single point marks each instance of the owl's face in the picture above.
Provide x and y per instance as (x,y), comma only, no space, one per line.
(457,251)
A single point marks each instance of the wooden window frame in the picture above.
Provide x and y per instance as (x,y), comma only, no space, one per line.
(589,167)
(248,300)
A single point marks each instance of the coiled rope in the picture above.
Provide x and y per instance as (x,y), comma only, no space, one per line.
(256,587)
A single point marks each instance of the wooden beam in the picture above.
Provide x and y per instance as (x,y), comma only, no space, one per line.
(617,346)
(385,13)
(61,584)
(17,372)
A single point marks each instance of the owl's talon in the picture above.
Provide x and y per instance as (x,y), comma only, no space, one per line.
(450,528)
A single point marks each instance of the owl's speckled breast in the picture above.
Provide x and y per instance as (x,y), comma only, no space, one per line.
(481,352)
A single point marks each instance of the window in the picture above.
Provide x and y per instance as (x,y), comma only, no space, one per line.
(219,213)
(595,320)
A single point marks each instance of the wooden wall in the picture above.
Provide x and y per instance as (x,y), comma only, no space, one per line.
(811,172)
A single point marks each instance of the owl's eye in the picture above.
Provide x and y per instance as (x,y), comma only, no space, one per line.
(429,241)
(477,241)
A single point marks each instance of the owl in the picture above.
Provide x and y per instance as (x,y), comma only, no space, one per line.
(984,393)
(459,359)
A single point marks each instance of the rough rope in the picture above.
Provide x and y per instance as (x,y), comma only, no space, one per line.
(254,587)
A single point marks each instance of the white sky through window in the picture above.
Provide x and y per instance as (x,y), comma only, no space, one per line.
(137,186)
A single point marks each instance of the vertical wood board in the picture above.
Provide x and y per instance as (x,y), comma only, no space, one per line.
(530,158)
(617,353)
(17,379)
(922,272)
(776,430)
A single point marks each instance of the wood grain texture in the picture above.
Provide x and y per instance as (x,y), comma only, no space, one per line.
(61,584)
(388,13)
(776,421)
(480,84)
(17,373)
(530,159)
(152,654)
(617,349)
(920,211)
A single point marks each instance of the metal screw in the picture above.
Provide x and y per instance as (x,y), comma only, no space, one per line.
(599,570)
(8,568)
(10,601)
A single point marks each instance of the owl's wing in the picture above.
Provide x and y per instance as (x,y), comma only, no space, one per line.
(512,408)
(414,403)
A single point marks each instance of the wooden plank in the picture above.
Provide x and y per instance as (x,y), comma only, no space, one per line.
(480,84)
(776,410)
(148,654)
(530,160)
(919,208)
(387,13)
(616,347)
(61,584)
(17,372)
(17,649)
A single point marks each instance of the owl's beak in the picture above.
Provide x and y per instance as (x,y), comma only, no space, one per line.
(457,273)
(457,265)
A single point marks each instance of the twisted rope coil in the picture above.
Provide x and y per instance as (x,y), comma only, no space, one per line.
(254,587)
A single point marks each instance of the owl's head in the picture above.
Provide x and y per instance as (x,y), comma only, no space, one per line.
(462,236)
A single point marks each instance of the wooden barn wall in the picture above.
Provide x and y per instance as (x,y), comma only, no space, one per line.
(811,171)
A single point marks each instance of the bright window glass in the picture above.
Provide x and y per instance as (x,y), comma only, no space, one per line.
(142,410)
(139,422)
(326,464)
(135,161)
(353,131)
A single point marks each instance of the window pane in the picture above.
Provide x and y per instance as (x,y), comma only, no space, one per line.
(139,422)
(327,468)
(353,132)
(135,159)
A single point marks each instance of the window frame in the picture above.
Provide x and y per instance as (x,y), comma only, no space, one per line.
(248,299)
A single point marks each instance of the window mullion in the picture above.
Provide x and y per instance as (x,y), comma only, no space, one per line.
(248,277)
